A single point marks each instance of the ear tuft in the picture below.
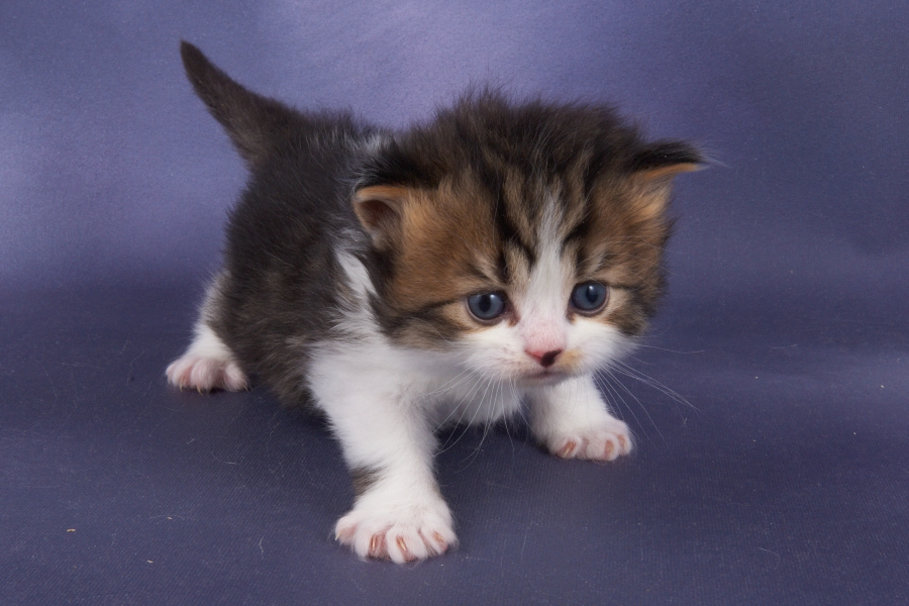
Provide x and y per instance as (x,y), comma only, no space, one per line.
(664,160)
(652,170)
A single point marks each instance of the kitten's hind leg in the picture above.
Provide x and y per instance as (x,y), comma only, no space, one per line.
(208,363)
(572,421)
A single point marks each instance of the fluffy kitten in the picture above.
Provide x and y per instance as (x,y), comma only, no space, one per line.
(400,281)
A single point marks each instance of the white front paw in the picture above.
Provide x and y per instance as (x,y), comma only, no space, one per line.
(604,442)
(401,532)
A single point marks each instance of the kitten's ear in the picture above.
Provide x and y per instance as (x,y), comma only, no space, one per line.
(255,123)
(380,209)
(665,159)
(653,168)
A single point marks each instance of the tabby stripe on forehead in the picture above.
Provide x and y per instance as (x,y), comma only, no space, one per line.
(502,267)
(575,240)
(511,235)
(597,159)
(578,233)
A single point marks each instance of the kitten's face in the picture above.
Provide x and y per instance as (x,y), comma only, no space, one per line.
(526,240)
(537,283)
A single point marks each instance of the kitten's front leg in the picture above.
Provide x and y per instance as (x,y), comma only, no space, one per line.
(572,420)
(399,513)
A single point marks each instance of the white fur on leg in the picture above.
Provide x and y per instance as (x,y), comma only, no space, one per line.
(207,364)
(571,419)
(383,428)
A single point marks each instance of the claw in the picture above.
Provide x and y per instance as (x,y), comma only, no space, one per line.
(606,443)
(402,545)
(567,449)
(375,545)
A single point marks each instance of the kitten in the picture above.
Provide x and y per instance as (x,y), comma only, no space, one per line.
(493,258)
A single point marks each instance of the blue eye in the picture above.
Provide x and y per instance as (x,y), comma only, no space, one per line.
(589,296)
(486,306)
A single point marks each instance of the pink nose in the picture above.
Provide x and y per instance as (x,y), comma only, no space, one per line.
(546,359)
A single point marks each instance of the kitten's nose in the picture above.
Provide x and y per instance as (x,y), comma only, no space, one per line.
(546,359)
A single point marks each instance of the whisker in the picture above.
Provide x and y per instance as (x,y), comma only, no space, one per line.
(460,407)
(480,380)
(518,412)
(452,383)
(476,411)
(642,377)
(608,379)
(681,352)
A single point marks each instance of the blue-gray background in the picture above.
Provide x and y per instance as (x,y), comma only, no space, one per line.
(109,166)
(788,266)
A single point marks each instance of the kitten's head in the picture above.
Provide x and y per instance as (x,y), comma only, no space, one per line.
(526,239)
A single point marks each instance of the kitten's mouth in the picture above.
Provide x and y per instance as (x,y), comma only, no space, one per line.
(545,377)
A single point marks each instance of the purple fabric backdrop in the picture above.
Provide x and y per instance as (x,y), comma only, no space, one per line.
(110,166)
(786,323)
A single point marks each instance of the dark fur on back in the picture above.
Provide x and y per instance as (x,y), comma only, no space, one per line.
(281,287)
